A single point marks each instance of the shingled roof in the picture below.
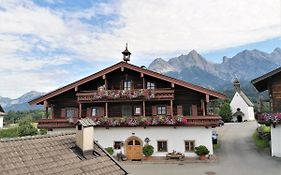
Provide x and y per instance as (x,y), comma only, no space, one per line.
(2,112)
(53,155)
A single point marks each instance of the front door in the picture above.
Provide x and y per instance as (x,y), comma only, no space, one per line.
(126,111)
(239,118)
(134,148)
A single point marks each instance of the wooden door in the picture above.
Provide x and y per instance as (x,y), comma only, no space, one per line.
(134,149)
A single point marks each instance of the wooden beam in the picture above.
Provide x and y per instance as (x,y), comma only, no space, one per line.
(143,108)
(45,103)
(141,75)
(106,109)
(80,110)
(203,107)
(104,77)
(207,98)
(143,83)
(76,88)
(46,112)
(171,106)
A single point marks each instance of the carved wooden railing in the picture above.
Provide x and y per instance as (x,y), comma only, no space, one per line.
(207,121)
(108,95)
(56,123)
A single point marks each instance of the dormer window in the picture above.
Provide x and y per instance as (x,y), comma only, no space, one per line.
(127,85)
(150,85)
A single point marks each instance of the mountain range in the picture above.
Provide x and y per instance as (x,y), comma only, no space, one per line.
(194,68)
(21,103)
(245,66)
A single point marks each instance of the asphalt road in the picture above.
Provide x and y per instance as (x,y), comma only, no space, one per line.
(236,156)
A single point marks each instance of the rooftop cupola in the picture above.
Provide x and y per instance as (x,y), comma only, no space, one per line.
(126,54)
(236,85)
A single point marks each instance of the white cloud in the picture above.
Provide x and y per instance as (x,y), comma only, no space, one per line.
(153,28)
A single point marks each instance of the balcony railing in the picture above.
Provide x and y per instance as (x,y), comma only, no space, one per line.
(107,95)
(55,123)
(207,121)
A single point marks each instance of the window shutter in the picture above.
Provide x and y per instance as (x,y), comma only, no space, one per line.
(154,110)
(63,113)
(101,111)
(89,112)
(76,113)
(194,110)
(179,109)
(168,109)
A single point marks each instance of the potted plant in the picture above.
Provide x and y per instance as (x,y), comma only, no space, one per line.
(148,151)
(201,151)
(109,150)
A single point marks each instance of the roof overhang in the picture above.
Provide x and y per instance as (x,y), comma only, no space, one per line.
(212,93)
(261,82)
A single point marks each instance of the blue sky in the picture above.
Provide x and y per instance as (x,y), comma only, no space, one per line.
(45,44)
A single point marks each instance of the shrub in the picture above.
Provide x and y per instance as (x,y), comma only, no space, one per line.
(26,128)
(201,150)
(225,112)
(148,150)
(43,131)
(109,150)
(261,143)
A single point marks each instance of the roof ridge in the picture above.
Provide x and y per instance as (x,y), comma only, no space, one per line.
(35,137)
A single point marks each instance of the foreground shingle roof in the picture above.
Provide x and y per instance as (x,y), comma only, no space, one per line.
(52,155)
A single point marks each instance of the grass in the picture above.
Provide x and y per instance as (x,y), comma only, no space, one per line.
(216,146)
(9,132)
(261,144)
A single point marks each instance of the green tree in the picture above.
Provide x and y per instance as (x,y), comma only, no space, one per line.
(25,127)
(225,112)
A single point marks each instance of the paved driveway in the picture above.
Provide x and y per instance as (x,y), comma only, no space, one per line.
(237,156)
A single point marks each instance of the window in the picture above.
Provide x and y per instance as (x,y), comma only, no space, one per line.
(162,146)
(70,112)
(127,85)
(150,85)
(79,127)
(117,145)
(161,110)
(137,110)
(189,145)
(94,112)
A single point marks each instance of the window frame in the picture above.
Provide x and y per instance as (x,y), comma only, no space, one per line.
(161,110)
(66,112)
(135,107)
(191,149)
(115,143)
(158,141)
(127,85)
(96,112)
(149,85)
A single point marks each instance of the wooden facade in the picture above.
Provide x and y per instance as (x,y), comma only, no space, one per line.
(271,82)
(124,90)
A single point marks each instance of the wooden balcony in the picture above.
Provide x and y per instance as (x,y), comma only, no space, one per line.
(55,123)
(206,121)
(121,95)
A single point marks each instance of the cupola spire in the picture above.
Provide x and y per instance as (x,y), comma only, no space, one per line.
(126,54)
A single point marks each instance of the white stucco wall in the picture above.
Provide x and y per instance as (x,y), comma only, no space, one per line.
(1,121)
(238,102)
(175,137)
(276,141)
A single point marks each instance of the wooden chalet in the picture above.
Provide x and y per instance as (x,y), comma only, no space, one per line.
(123,91)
